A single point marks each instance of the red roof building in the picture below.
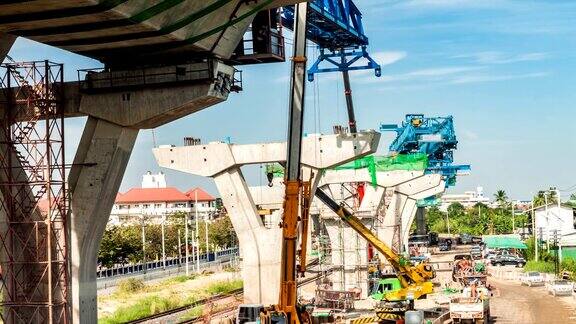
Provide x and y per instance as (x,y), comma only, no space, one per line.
(154,204)
(152,195)
(199,194)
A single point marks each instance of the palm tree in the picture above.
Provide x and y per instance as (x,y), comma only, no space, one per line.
(544,196)
(501,197)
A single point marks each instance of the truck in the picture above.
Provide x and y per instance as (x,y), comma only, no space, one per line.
(470,310)
(465,270)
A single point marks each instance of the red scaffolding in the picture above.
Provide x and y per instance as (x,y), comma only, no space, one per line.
(33,202)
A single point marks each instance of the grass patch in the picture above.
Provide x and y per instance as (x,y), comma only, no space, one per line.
(222,287)
(154,304)
(192,313)
(130,286)
(143,307)
(540,266)
(178,279)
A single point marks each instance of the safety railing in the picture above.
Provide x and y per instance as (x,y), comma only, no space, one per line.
(122,270)
(101,79)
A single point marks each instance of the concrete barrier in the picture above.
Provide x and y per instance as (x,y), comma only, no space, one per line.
(442,318)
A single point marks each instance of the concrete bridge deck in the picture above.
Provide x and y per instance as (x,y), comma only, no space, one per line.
(125,31)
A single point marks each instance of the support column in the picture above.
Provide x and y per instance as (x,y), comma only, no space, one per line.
(260,246)
(421,221)
(94,180)
(434,186)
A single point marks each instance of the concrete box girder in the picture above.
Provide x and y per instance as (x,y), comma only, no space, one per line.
(6,42)
(125,31)
(318,152)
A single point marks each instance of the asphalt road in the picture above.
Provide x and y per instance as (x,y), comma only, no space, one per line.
(525,305)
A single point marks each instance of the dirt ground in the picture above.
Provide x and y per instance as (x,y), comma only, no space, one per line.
(521,304)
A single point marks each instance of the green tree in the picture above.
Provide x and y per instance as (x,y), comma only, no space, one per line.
(501,197)
(544,196)
(221,233)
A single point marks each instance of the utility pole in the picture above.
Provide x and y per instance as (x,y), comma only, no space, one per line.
(555,248)
(547,217)
(179,248)
(163,243)
(197,236)
(540,236)
(513,218)
(448,220)
(206,237)
(144,260)
(186,234)
(534,231)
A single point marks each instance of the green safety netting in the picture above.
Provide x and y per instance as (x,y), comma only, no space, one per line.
(409,162)
(276,169)
(504,242)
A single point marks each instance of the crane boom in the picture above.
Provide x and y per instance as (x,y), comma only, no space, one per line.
(415,279)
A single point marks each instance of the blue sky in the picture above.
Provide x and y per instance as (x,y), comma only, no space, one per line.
(505,69)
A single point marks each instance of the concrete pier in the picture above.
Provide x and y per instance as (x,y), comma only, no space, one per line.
(260,245)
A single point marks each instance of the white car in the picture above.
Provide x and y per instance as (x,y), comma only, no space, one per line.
(532,278)
(559,287)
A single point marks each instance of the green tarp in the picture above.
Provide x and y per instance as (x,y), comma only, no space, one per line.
(504,242)
(409,162)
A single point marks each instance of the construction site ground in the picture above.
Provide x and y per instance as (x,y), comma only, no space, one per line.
(512,303)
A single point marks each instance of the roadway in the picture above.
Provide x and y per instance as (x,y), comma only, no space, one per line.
(529,305)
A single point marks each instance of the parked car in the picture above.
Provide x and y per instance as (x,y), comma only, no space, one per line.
(508,259)
(444,246)
(559,287)
(532,278)
(476,252)
(419,259)
(464,238)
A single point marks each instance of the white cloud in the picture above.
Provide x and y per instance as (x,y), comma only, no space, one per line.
(442,71)
(492,78)
(494,57)
(389,57)
(457,4)
(435,74)
(470,135)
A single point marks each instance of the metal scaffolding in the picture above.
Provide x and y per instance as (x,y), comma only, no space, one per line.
(34,202)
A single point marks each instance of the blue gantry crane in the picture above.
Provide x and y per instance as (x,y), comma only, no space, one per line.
(336,27)
(434,136)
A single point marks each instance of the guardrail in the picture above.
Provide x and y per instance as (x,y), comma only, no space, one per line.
(170,263)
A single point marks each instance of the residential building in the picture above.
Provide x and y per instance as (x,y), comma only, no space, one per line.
(467,199)
(552,218)
(154,202)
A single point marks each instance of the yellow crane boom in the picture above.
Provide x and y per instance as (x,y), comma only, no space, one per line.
(415,279)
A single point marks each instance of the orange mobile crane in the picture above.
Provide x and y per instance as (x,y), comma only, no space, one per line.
(286,311)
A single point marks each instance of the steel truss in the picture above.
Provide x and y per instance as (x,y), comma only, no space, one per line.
(34,202)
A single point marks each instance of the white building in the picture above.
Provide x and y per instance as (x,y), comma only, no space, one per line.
(150,180)
(155,201)
(552,218)
(467,199)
